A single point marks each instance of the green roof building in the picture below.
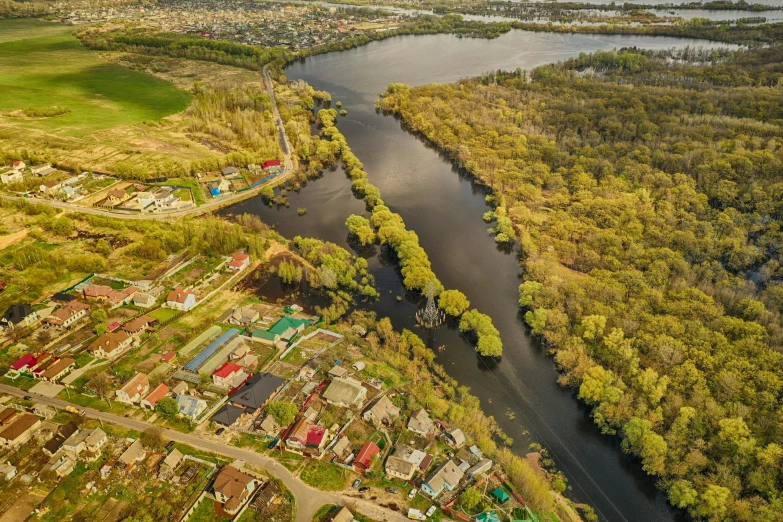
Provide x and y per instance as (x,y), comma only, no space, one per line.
(488,516)
(500,495)
(283,330)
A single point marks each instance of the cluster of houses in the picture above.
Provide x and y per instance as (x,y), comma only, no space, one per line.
(146,198)
(16,171)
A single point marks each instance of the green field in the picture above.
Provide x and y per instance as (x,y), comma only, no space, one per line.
(43,65)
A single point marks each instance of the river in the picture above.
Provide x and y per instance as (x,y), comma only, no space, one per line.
(445,209)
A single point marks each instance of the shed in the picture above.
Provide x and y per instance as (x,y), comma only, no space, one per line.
(500,495)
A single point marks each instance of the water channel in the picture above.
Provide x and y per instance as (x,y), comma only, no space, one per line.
(445,209)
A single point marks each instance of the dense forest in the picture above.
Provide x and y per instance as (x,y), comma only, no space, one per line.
(645,191)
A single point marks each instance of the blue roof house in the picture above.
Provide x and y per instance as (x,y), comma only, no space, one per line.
(190,407)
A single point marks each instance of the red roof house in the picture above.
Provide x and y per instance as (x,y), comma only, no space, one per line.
(271,163)
(363,460)
(229,375)
(169,356)
(155,395)
(238,262)
(23,363)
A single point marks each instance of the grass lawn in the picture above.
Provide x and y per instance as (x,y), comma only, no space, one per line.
(43,64)
(164,314)
(324,476)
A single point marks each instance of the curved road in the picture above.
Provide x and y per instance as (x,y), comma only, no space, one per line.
(308,500)
(214,204)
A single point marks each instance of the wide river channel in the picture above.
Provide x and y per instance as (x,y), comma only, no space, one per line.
(445,209)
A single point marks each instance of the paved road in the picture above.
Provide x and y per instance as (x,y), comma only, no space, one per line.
(214,204)
(308,500)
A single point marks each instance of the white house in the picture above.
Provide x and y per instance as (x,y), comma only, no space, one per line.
(181,299)
(134,389)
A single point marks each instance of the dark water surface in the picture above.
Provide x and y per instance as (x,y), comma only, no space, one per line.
(445,209)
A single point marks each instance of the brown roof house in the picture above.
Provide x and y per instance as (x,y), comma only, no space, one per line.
(110,345)
(68,314)
(233,488)
(382,412)
(181,299)
(59,369)
(138,325)
(405,461)
(20,430)
(134,389)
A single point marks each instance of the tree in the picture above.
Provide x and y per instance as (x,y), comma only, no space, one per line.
(469,499)
(287,271)
(453,302)
(360,227)
(490,346)
(99,318)
(284,413)
(167,407)
(62,226)
(152,438)
(99,384)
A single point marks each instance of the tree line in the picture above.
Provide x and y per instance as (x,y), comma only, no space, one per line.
(645,195)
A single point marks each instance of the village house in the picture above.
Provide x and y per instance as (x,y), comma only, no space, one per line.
(42,170)
(19,316)
(244,357)
(283,330)
(11,176)
(7,416)
(133,455)
(115,197)
(110,345)
(169,357)
(344,515)
(382,412)
(239,262)
(446,476)
(144,300)
(133,390)
(68,315)
(306,437)
(169,464)
(160,391)
(181,299)
(421,424)
(103,293)
(18,165)
(62,465)
(229,375)
(256,392)
(190,407)
(455,438)
(233,488)
(230,171)
(138,325)
(243,316)
(28,363)
(363,459)
(481,467)
(348,393)
(95,440)
(50,186)
(54,444)
(405,462)
(20,430)
(96,292)
(338,371)
(58,369)
(7,471)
